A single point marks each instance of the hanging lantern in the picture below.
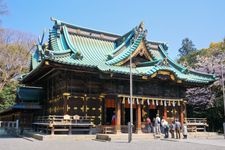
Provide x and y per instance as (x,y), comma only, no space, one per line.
(137,100)
(165,103)
(148,102)
(169,104)
(173,103)
(128,100)
(142,101)
(178,103)
(153,102)
(123,101)
(156,102)
(161,103)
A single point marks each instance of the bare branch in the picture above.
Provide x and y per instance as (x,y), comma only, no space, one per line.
(14,47)
(3,8)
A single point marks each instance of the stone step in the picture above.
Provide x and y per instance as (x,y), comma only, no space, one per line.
(114,137)
(103,137)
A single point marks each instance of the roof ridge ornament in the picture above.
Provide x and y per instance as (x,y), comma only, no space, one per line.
(141,26)
(40,47)
(163,62)
(41,39)
(57,22)
(57,25)
(138,33)
(140,29)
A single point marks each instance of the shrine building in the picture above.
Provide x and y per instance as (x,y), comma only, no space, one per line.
(86,72)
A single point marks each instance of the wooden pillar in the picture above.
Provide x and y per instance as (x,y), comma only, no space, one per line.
(185,110)
(181,113)
(104,112)
(64,105)
(138,116)
(52,130)
(165,113)
(118,116)
(65,99)
(123,114)
(70,129)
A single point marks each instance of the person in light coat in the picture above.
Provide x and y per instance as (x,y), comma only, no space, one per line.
(184,130)
(157,124)
(177,128)
(165,127)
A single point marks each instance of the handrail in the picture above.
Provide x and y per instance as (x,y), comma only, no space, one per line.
(63,123)
(196,120)
(196,124)
(63,118)
(10,124)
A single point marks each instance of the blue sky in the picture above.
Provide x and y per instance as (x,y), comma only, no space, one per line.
(203,21)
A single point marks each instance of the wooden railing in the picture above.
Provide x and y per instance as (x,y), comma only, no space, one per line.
(196,124)
(63,119)
(197,120)
(9,124)
(106,129)
(64,123)
(11,127)
(111,129)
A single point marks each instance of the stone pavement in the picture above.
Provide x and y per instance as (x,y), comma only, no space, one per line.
(23,144)
(214,142)
(12,143)
(119,142)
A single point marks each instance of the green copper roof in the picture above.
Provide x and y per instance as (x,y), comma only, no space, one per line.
(127,52)
(29,94)
(72,45)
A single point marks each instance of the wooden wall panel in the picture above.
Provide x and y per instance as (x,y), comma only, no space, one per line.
(76,106)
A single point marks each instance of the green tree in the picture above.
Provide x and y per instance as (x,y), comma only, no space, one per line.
(14,49)
(190,59)
(15,52)
(187,47)
(8,95)
(207,102)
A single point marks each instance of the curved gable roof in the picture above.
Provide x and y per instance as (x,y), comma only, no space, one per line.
(73,45)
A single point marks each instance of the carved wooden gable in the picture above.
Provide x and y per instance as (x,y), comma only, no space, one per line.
(140,55)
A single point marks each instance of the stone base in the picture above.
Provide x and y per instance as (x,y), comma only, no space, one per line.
(138,131)
(118,131)
(103,137)
(157,136)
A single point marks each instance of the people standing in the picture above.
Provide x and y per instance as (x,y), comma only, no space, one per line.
(177,128)
(157,124)
(165,127)
(172,128)
(113,121)
(153,125)
(148,124)
(184,129)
